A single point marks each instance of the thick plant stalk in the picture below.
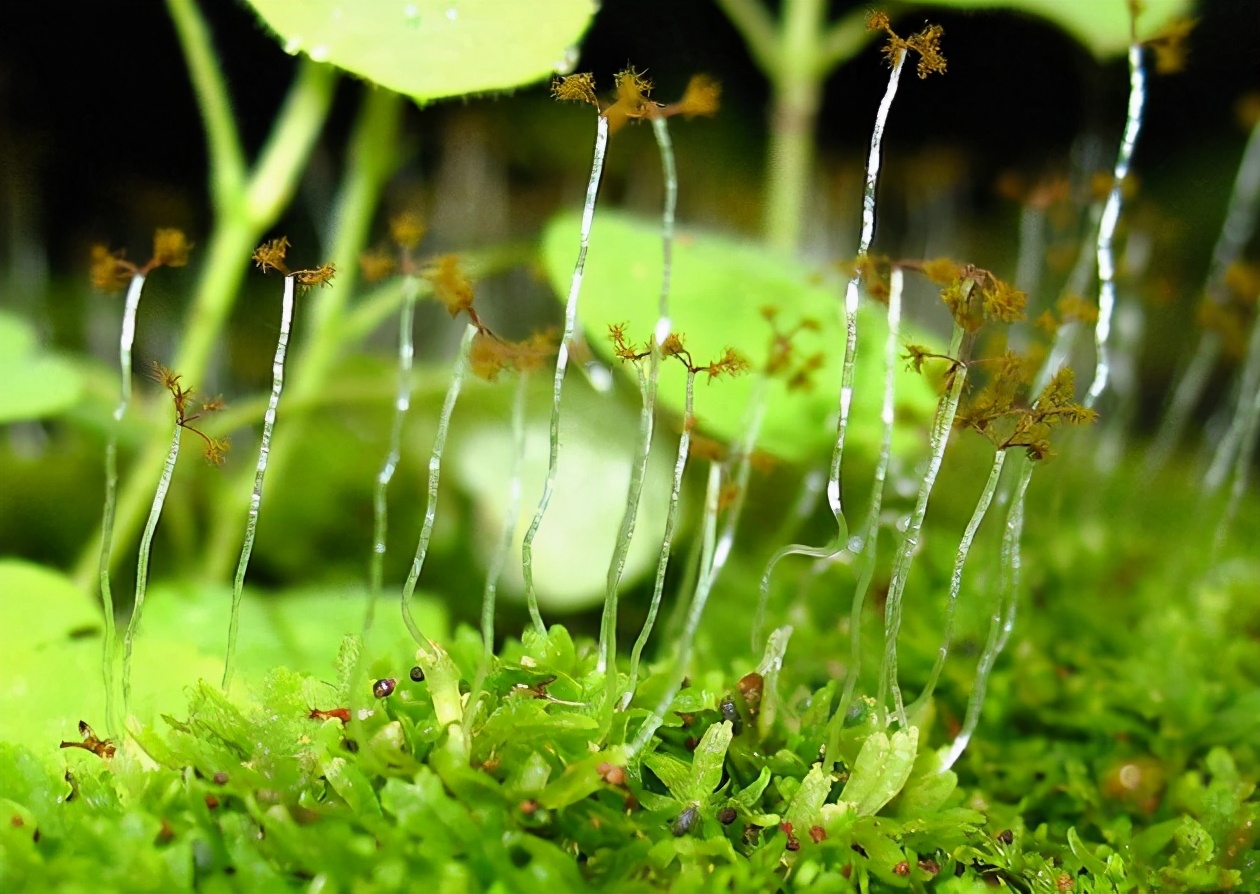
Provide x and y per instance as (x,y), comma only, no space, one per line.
(402,404)
(1003,619)
(1107,226)
(667,541)
(944,423)
(562,362)
(126,339)
(1240,223)
(956,577)
(870,530)
(686,640)
(458,374)
(142,563)
(260,472)
(851,295)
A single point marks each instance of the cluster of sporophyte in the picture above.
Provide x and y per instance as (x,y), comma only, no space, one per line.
(695,762)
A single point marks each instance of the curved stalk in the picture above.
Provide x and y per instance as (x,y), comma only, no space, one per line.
(667,541)
(260,472)
(458,375)
(126,339)
(1107,227)
(562,362)
(870,529)
(142,562)
(851,295)
(944,423)
(1003,619)
(701,596)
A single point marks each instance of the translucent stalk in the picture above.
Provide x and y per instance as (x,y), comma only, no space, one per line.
(870,529)
(625,533)
(1243,462)
(1227,449)
(667,540)
(562,362)
(647,389)
(685,642)
(945,412)
(751,429)
(142,563)
(1107,227)
(402,403)
(498,559)
(458,374)
(260,471)
(851,295)
(126,339)
(1240,223)
(955,579)
(1003,619)
(511,512)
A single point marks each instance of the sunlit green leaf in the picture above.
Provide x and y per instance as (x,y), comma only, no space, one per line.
(430,49)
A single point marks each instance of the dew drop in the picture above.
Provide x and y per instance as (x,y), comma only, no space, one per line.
(566,63)
(292,45)
(319,53)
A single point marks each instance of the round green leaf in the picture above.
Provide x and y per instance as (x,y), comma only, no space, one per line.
(430,49)
(719,289)
(36,384)
(1100,25)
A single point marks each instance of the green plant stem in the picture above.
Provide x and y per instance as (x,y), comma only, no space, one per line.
(562,362)
(126,338)
(870,530)
(402,403)
(260,473)
(625,533)
(795,54)
(694,614)
(223,141)
(750,429)
(511,514)
(909,547)
(851,297)
(458,374)
(667,540)
(1002,621)
(955,578)
(370,163)
(238,225)
(142,563)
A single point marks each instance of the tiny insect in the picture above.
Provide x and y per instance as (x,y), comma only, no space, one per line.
(342,714)
(102,748)
(417,674)
(384,687)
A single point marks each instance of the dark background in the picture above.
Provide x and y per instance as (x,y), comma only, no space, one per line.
(100,135)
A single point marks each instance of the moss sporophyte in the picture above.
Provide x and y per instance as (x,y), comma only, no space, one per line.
(870,719)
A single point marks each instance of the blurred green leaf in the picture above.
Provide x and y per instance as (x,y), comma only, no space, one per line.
(431,49)
(36,384)
(719,288)
(1101,25)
